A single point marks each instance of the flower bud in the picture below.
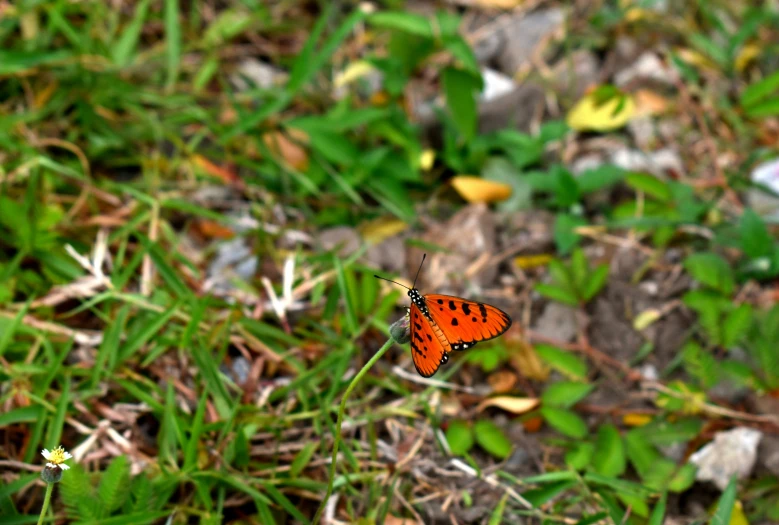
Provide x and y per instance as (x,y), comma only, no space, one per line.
(51,474)
(400,330)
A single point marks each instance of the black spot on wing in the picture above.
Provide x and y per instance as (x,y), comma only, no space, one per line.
(466,309)
(473,319)
(440,301)
(429,337)
(454,321)
(483,310)
(418,337)
(417,326)
(452,306)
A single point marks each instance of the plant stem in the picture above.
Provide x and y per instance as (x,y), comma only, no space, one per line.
(341,410)
(46,499)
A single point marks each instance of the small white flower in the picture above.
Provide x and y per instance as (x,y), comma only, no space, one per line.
(56,458)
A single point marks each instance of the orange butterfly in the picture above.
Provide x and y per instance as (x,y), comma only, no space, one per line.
(442,323)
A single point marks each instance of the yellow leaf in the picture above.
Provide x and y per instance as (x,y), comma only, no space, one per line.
(636,420)
(380,229)
(515,405)
(592,114)
(525,359)
(353,71)
(636,14)
(476,189)
(646,318)
(42,97)
(695,58)
(427,159)
(746,56)
(532,261)
(737,516)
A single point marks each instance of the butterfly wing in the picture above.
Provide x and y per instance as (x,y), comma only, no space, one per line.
(464,323)
(429,346)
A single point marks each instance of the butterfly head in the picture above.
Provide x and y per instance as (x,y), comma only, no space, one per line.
(418,300)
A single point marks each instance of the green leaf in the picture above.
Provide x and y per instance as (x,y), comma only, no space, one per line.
(609,457)
(460,88)
(125,47)
(598,178)
(113,485)
(725,505)
(737,324)
(580,456)
(460,437)
(172,40)
(650,185)
(758,91)
(12,62)
(557,293)
(596,282)
(711,270)
(658,513)
(499,169)
(755,240)
(766,108)
(496,518)
(563,361)
(333,146)
(541,495)
(302,459)
(565,422)
(403,21)
(565,394)
(565,236)
(492,439)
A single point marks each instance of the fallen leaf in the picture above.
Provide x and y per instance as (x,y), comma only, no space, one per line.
(526,360)
(502,381)
(636,420)
(288,148)
(533,424)
(515,405)
(746,56)
(476,189)
(354,71)
(226,175)
(380,229)
(213,230)
(532,261)
(43,96)
(646,318)
(694,58)
(650,103)
(603,109)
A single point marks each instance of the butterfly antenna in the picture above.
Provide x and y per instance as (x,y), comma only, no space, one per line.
(391,281)
(420,269)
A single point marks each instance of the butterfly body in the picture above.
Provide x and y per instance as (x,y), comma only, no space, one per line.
(442,323)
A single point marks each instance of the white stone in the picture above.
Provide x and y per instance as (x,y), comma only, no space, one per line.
(732,452)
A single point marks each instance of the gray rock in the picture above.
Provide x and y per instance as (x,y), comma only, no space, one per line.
(768,454)
(557,321)
(253,73)
(524,33)
(346,239)
(575,74)
(732,452)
